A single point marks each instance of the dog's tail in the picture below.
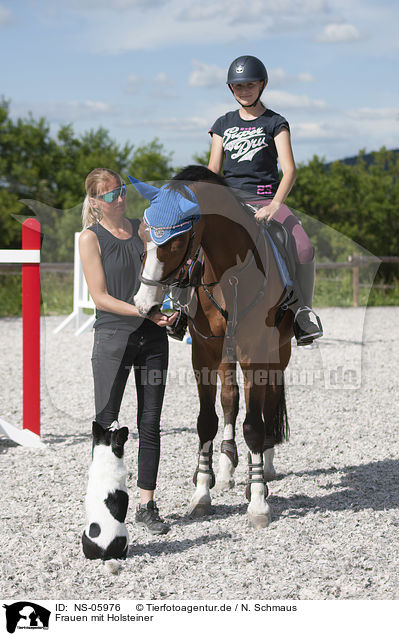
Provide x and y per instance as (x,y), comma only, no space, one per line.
(113,566)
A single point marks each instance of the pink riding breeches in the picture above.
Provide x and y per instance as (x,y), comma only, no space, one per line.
(304,248)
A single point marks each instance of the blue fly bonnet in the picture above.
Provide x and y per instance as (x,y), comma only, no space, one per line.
(170,213)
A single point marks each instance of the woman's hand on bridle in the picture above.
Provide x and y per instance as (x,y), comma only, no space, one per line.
(162,320)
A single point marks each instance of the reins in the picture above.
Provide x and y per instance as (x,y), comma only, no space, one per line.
(235,317)
(232,319)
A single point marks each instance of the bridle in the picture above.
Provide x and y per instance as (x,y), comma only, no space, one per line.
(175,280)
(175,277)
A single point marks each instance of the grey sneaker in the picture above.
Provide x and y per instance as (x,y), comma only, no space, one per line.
(147,515)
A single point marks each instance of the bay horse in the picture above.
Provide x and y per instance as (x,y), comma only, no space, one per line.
(232,318)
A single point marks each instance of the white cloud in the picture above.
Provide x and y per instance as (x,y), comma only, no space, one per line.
(310,131)
(183,22)
(89,107)
(5,16)
(201,11)
(133,84)
(178,125)
(342,136)
(282,99)
(162,87)
(61,112)
(375,113)
(114,6)
(279,77)
(236,11)
(207,75)
(339,33)
(305,77)
(162,78)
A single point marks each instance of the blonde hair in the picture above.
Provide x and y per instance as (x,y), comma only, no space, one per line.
(94,184)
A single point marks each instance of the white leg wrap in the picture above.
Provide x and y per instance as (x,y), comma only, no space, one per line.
(228,431)
(269,471)
(224,478)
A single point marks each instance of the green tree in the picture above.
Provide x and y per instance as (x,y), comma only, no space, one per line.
(50,173)
(26,152)
(202,158)
(151,163)
(359,199)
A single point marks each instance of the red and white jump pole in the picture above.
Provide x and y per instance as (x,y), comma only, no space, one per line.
(29,256)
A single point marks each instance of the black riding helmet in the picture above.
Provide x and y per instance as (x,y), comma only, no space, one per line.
(247,68)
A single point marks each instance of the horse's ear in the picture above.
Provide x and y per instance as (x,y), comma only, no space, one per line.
(188,207)
(149,192)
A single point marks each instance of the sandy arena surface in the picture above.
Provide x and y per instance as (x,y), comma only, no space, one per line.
(335,524)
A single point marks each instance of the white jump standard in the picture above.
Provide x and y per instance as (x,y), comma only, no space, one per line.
(29,257)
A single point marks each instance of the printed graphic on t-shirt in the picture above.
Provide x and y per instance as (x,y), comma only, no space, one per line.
(244,143)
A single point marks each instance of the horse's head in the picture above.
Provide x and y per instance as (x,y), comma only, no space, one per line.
(167,232)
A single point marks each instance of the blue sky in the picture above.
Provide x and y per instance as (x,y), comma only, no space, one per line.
(157,68)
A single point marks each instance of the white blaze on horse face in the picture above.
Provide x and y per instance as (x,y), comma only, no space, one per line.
(150,295)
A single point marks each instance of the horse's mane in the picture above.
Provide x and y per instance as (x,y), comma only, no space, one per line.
(195,172)
(198,173)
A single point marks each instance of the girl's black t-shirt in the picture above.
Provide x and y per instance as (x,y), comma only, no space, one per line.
(250,163)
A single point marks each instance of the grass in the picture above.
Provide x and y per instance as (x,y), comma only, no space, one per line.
(334,290)
(57,292)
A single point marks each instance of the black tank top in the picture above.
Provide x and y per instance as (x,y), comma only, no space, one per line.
(121,261)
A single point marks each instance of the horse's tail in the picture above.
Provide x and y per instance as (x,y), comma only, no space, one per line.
(276,422)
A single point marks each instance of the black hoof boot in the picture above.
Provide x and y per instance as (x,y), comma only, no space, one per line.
(205,466)
(255,476)
(229,448)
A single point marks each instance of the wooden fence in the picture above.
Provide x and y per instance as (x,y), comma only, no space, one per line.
(354,263)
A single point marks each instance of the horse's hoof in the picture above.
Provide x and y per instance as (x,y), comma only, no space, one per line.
(259,521)
(200,509)
(222,485)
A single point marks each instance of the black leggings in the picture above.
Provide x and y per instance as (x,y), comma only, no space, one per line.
(114,353)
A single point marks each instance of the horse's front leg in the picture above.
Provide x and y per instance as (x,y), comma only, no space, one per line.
(207,426)
(259,513)
(230,401)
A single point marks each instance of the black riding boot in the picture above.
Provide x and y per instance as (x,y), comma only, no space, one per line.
(307,325)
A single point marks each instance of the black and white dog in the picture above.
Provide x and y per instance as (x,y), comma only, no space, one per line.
(105,536)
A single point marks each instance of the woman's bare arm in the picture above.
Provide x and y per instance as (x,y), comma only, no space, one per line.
(90,257)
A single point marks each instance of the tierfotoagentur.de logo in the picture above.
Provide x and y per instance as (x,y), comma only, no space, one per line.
(26,615)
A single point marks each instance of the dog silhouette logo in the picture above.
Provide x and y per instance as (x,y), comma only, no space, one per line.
(26,615)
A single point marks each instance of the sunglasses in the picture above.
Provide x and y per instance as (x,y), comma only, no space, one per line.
(111,196)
